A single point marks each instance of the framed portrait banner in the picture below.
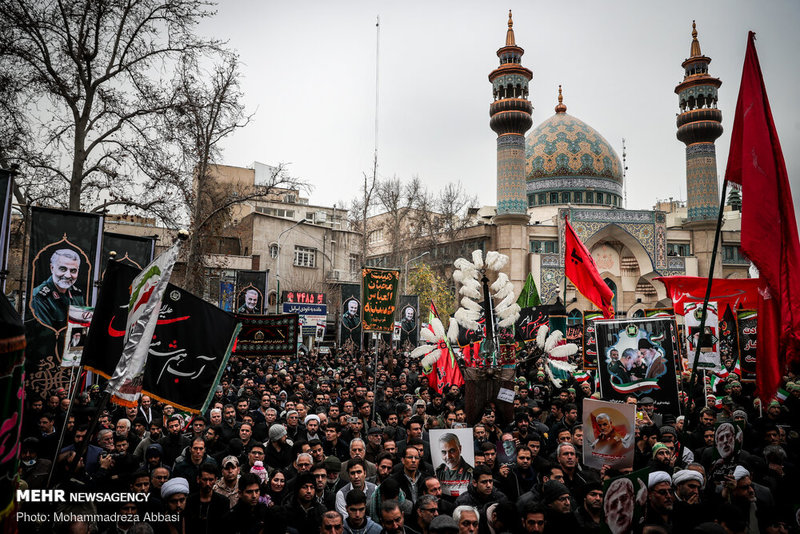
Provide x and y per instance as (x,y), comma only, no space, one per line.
(625,502)
(590,338)
(251,286)
(637,357)
(350,317)
(408,317)
(63,267)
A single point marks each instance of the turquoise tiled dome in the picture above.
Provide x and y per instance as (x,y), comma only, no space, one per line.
(563,146)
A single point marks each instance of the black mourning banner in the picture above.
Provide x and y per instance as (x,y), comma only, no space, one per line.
(408,317)
(590,338)
(251,286)
(747,341)
(190,349)
(268,335)
(350,322)
(136,251)
(529,321)
(64,262)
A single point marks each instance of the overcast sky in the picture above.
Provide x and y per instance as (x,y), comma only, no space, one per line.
(309,75)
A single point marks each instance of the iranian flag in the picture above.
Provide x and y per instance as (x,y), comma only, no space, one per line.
(781,395)
(582,376)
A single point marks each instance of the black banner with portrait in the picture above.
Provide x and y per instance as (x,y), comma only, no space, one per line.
(637,357)
(134,250)
(590,338)
(63,268)
(191,343)
(350,317)
(408,317)
(251,286)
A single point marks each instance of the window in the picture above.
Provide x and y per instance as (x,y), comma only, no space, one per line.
(273,251)
(679,249)
(578,196)
(565,197)
(543,246)
(553,198)
(589,197)
(376,236)
(732,254)
(305,257)
(531,200)
(355,263)
(575,317)
(542,198)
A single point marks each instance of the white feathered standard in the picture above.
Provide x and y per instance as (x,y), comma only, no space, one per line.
(435,345)
(469,274)
(556,354)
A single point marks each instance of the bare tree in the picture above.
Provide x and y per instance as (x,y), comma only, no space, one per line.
(440,218)
(398,202)
(93,76)
(360,210)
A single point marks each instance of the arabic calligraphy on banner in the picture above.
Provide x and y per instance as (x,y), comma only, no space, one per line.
(379,290)
(267,335)
(747,332)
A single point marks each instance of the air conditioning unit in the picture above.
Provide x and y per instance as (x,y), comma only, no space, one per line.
(336,274)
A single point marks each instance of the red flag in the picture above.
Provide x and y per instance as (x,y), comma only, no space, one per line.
(579,267)
(769,229)
(736,293)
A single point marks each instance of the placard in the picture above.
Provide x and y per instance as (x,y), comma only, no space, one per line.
(608,433)
(453,455)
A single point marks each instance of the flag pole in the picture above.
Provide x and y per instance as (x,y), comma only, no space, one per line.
(717,233)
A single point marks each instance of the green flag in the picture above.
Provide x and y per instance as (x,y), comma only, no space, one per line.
(529,295)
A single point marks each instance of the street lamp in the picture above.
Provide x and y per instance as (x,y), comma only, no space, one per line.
(405,289)
(278,270)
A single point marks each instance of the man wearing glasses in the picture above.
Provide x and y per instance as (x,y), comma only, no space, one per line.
(426,508)
(357,521)
(660,500)
(409,477)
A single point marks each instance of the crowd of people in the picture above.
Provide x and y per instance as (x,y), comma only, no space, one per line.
(339,442)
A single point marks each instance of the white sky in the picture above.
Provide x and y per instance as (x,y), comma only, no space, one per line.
(309,71)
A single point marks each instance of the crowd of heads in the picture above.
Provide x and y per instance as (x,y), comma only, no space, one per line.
(341,441)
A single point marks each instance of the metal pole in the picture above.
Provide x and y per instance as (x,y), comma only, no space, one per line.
(693,378)
(278,269)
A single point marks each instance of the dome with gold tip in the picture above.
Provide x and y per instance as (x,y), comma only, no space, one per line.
(569,162)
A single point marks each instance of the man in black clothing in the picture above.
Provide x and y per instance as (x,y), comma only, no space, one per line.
(206,510)
(250,516)
(304,512)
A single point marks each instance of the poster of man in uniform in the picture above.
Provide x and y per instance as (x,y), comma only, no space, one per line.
(608,434)
(708,341)
(250,290)
(625,502)
(350,322)
(637,357)
(453,457)
(409,323)
(64,264)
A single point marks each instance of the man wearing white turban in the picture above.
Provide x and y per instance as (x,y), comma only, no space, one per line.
(173,494)
(687,510)
(660,500)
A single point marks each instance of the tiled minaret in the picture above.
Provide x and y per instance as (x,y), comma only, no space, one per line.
(510,113)
(699,125)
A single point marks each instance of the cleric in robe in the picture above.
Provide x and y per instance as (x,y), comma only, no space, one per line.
(408,326)
(51,299)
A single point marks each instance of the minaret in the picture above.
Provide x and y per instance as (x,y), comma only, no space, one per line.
(699,125)
(510,113)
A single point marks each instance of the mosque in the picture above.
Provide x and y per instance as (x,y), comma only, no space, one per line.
(563,168)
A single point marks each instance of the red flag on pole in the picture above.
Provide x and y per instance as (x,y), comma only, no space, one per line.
(769,229)
(579,267)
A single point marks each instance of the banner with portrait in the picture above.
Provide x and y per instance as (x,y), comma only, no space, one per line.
(453,458)
(409,320)
(350,317)
(637,357)
(728,440)
(64,264)
(191,344)
(134,250)
(608,433)
(590,338)
(227,297)
(251,286)
(708,341)
(6,198)
(80,318)
(747,338)
(728,340)
(574,334)
(625,503)
(379,297)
